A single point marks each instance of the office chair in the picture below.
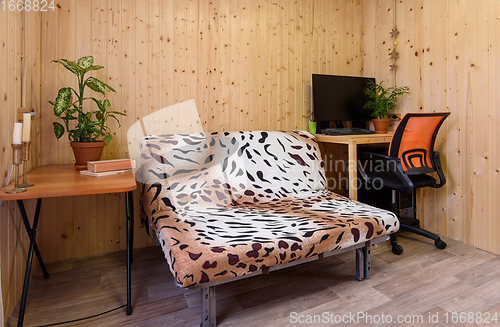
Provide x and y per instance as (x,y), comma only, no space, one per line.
(411,158)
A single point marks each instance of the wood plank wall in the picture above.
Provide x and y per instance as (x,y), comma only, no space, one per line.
(13,83)
(449,57)
(246,63)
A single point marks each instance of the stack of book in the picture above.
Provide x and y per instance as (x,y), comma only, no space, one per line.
(108,167)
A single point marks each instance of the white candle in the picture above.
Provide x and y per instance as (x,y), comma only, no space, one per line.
(26,127)
(18,129)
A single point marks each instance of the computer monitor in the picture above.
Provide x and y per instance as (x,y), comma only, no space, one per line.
(340,98)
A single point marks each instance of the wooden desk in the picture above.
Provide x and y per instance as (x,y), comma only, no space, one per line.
(352,142)
(64,180)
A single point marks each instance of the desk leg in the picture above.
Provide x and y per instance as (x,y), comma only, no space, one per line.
(32,235)
(352,156)
(28,230)
(130,239)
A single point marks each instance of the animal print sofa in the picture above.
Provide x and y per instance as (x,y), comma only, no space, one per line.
(225,205)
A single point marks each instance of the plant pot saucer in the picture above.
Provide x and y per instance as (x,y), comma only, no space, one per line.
(80,167)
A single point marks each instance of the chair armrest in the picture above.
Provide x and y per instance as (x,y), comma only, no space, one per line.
(437,164)
(384,171)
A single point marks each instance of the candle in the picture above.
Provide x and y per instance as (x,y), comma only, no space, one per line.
(18,129)
(26,127)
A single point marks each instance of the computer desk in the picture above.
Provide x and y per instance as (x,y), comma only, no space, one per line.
(352,142)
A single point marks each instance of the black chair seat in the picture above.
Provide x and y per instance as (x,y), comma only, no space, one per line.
(391,181)
(422,180)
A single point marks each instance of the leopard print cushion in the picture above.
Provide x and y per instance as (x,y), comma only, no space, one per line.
(228,204)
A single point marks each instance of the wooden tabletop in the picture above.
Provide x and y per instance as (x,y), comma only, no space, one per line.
(63,180)
(356,139)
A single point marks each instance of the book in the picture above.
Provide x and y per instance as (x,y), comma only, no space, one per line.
(104,173)
(110,165)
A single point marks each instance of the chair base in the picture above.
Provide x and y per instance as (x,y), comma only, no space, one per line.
(410,224)
(403,206)
(398,249)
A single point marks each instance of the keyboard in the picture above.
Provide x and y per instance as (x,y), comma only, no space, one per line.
(346,131)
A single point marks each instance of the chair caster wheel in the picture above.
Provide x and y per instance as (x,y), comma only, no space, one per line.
(397,249)
(440,244)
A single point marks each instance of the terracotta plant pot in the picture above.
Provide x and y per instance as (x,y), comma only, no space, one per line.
(86,151)
(381,125)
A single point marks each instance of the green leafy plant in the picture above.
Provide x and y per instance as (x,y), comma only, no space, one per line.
(383,99)
(83,126)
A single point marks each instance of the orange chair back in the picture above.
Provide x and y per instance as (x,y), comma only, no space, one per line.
(413,141)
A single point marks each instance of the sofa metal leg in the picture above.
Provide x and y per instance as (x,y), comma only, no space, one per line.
(367,259)
(208,313)
(360,270)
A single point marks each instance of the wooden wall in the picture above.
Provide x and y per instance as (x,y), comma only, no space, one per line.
(246,63)
(19,86)
(449,57)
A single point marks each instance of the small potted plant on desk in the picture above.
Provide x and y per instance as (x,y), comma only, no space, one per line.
(383,101)
(87,130)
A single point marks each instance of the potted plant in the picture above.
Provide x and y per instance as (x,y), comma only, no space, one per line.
(383,101)
(88,131)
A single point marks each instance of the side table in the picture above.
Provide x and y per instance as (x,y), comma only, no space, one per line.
(63,180)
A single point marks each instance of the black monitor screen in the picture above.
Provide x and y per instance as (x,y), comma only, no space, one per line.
(340,98)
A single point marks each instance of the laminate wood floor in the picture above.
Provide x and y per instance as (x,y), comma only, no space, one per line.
(423,283)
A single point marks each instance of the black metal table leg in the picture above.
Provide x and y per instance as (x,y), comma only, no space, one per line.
(32,235)
(28,230)
(130,224)
(130,217)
